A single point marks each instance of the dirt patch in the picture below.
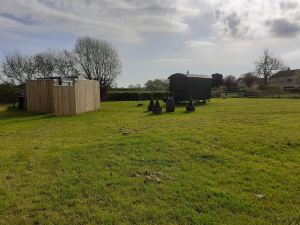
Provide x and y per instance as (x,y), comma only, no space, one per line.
(259,196)
(3,135)
(152,177)
(125,131)
(9,177)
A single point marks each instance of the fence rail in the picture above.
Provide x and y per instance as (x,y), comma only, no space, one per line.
(255,94)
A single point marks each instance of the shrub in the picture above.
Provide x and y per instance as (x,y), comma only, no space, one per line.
(268,87)
(157,109)
(190,106)
(151,105)
(217,92)
(8,93)
(170,105)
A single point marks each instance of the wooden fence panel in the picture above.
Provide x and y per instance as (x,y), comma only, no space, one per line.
(44,96)
(87,96)
(40,95)
(64,100)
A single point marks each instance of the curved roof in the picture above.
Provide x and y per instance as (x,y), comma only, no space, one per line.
(190,76)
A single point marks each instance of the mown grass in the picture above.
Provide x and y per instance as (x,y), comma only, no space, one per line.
(233,161)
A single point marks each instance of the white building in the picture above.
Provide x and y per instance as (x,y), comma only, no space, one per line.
(289,79)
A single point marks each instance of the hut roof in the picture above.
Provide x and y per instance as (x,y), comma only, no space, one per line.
(199,76)
(190,76)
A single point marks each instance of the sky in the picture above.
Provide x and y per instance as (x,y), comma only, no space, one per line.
(156,38)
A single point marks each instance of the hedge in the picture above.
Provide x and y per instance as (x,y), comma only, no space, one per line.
(8,93)
(136,95)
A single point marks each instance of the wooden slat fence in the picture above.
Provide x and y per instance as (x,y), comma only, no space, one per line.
(87,96)
(44,96)
(40,96)
(64,100)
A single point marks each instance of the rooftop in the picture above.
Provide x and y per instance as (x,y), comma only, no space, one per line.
(286,73)
(191,75)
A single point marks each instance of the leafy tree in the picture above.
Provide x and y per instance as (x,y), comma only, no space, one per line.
(217,80)
(230,82)
(8,93)
(249,79)
(134,86)
(267,65)
(157,85)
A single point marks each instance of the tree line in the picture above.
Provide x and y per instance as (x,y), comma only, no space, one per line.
(90,58)
(151,85)
(96,59)
(265,67)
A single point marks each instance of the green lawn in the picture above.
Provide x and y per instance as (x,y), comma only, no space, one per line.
(233,161)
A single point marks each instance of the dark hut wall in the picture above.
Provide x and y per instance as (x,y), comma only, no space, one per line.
(178,87)
(199,88)
(182,87)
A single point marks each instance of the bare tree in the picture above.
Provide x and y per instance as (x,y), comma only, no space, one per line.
(95,59)
(45,63)
(65,65)
(18,68)
(268,65)
(249,79)
(98,60)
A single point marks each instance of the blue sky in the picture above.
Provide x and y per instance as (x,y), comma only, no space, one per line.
(159,37)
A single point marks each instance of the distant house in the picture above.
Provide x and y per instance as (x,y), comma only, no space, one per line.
(289,79)
(184,86)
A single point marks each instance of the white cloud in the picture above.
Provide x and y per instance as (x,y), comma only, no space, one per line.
(292,58)
(170,60)
(120,19)
(200,43)
(127,20)
(254,19)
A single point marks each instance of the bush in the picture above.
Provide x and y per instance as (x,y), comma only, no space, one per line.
(217,92)
(136,95)
(8,93)
(268,87)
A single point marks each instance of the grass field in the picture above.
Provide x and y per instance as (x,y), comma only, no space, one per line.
(233,161)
